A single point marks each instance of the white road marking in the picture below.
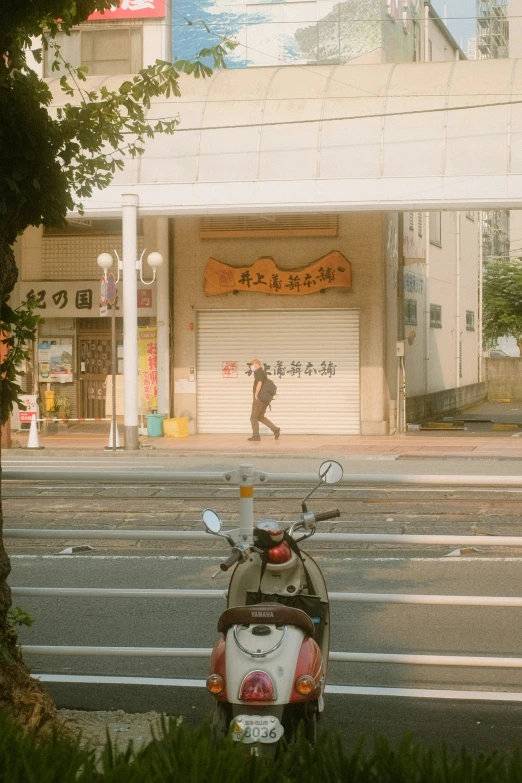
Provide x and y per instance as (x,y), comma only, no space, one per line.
(418,693)
(322,558)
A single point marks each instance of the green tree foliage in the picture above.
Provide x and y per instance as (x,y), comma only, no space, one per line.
(50,161)
(502,296)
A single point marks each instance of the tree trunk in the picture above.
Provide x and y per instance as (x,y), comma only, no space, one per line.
(22,696)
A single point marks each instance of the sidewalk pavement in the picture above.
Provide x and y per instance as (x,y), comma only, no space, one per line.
(88,440)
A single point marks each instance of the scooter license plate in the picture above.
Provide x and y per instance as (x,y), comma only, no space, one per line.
(256,728)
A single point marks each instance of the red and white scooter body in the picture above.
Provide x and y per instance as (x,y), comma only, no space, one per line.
(273,671)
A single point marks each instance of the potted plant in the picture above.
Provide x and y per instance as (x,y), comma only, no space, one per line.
(62,409)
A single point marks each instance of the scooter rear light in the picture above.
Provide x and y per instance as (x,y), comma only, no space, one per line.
(257,686)
(305,684)
(215,683)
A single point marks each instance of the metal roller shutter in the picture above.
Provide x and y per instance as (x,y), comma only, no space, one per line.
(313,356)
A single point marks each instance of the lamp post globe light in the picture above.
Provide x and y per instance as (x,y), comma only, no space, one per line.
(128,266)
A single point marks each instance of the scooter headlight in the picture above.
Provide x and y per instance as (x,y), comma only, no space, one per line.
(257,686)
(215,683)
(305,684)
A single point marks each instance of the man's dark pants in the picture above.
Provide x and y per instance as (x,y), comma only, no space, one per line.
(258,416)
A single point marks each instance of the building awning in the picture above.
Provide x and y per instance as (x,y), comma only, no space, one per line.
(350,137)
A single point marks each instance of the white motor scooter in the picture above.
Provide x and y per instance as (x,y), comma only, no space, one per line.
(268,669)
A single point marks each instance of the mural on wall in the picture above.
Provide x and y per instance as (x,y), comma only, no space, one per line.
(265,277)
(284,32)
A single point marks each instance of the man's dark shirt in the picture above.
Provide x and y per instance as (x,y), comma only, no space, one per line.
(259,375)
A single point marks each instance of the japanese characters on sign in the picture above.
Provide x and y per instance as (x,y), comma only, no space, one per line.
(80,299)
(132,9)
(413,284)
(148,364)
(144,298)
(31,408)
(230,370)
(264,276)
(297,369)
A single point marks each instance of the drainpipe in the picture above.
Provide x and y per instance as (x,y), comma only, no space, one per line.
(481,272)
(426,32)
(457,302)
(427,332)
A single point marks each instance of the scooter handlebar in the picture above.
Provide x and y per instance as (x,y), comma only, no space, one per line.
(234,557)
(332,514)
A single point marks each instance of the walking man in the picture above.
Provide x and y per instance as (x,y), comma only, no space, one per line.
(258,406)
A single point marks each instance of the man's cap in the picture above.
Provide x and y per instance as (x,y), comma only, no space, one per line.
(254,361)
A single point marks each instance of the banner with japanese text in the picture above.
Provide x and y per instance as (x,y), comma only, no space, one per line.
(148,366)
(264,276)
(80,299)
(131,9)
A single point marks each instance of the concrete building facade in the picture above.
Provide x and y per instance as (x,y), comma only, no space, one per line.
(332,346)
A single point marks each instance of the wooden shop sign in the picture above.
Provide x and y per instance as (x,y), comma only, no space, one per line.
(264,276)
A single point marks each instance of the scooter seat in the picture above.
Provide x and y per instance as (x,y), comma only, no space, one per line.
(268,614)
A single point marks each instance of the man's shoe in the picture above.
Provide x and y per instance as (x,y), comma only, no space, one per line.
(277,432)
(255,437)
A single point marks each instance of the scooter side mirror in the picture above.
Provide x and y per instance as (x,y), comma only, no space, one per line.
(330,472)
(211,521)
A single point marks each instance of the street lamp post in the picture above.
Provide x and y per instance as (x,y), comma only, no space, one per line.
(128,267)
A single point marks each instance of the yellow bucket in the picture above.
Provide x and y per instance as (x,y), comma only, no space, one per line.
(175,428)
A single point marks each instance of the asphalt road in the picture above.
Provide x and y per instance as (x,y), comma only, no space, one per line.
(355,627)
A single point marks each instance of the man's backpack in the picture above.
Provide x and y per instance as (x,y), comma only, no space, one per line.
(268,391)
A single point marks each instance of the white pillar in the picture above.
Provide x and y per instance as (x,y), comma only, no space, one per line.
(457,304)
(163,316)
(130,319)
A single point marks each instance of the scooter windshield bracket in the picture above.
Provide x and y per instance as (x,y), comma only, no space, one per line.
(265,652)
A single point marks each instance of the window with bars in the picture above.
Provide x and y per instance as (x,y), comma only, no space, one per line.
(411,221)
(84,227)
(420,222)
(410,311)
(107,51)
(436,315)
(470,321)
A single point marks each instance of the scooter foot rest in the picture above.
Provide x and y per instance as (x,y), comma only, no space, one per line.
(271,614)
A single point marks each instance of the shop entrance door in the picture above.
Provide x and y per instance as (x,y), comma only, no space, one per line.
(95,357)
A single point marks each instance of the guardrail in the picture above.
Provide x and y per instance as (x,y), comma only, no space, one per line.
(344,657)
(230,477)
(245,476)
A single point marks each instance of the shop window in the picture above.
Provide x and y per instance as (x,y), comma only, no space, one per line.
(435,228)
(107,51)
(254,226)
(435,315)
(410,311)
(470,321)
